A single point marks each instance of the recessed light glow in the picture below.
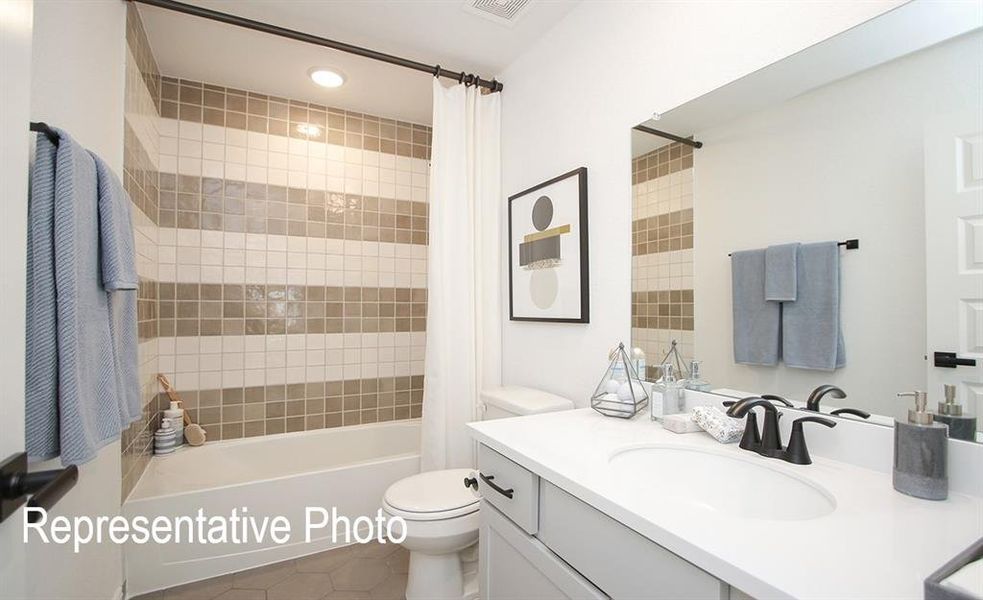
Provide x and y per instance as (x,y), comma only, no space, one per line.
(308,129)
(328,78)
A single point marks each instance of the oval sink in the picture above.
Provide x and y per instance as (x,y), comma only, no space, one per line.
(729,484)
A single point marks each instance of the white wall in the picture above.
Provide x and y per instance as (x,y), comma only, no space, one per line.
(843,161)
(15,75)
(77,84)
(571,101)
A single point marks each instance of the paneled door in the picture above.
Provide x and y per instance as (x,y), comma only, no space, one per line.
(954,258)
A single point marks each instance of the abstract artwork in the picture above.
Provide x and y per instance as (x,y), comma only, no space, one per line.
(548,268)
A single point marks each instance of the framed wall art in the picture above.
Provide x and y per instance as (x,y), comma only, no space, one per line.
(548,266)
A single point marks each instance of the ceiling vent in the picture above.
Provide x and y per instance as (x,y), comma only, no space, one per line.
(503,12)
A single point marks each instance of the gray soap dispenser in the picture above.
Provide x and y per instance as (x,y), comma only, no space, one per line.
(961,427)
(920,452)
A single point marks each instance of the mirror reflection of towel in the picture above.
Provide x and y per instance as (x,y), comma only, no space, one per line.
(812,335)
(757,322)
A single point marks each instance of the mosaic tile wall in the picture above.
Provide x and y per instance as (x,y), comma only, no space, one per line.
(140,165)
(292,261)
(662,252)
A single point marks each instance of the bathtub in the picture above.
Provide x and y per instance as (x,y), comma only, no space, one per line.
(348,468)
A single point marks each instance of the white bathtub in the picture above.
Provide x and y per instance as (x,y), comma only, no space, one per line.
(348,468)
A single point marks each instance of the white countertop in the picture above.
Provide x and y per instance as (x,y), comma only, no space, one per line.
(877,543)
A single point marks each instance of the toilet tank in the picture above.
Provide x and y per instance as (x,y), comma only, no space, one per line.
(514,401)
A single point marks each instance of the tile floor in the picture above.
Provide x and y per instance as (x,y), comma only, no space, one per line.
(361,571)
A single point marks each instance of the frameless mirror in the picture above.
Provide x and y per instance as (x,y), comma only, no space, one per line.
(872,140)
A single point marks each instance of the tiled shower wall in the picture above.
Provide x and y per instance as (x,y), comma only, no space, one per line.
(292,261)
(662,252)
(140,165)
(282,254)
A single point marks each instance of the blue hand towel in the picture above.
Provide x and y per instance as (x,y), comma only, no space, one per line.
(757,322)
(77,331)
(117,251)
(780,263)
(812,337)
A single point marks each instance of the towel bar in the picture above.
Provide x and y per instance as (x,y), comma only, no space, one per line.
(847,244)
(45,487)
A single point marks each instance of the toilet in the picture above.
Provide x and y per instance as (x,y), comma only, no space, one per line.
(441,512)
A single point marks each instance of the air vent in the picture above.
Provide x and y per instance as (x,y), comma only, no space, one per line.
(504,12)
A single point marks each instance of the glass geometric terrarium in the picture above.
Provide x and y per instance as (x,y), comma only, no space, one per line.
(620,392)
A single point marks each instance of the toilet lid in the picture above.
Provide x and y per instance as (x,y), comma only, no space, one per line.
(433,492)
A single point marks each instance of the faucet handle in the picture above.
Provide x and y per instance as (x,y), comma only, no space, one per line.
(778,399)
(797,453)
(851,411)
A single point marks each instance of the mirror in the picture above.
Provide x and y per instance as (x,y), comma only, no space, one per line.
(872,139)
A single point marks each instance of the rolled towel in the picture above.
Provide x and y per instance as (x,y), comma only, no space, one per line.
(724,429)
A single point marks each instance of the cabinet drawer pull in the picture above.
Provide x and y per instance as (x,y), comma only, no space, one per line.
(488,479)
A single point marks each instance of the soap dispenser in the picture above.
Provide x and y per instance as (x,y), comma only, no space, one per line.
(961,427)
(920,452)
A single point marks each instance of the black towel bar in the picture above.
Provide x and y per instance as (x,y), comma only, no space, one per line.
(48,132)
(847,244)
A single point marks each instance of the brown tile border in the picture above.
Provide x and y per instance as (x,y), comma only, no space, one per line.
(251,111)
(246,309)
(665,309)
(147,307)
(209,203)
(231,413)
(671,158)
(662,233)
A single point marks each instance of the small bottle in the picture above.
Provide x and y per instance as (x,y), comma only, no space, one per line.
(695,381)
(961,427)
(165,441)
(176,415)
(671,392)
(638,362)
(920,452)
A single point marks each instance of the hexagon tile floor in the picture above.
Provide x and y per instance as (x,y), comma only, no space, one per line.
(361,571)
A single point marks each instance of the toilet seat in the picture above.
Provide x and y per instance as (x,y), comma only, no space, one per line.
(432,496)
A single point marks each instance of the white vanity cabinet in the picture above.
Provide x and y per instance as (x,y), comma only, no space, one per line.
(538,541)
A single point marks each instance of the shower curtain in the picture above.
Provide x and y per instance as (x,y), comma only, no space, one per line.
(464,312)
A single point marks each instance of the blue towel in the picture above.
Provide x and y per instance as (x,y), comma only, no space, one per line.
(780,262)
(812,336)
(757,322)
(81,336)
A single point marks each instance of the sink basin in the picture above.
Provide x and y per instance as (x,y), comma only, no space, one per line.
(726,483)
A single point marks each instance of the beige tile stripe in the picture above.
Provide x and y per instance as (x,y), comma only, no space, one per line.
(230,413)
(662,233)
(199,102)
(187,309)
(665,309)
(662,161)
(208,203)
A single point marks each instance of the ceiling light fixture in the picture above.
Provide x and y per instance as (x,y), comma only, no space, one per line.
(325,77)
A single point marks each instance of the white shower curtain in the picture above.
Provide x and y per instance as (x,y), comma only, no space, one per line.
(464,348)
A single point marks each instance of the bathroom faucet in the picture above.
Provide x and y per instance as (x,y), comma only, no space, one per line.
(770,439)
(817,395)
(797,453)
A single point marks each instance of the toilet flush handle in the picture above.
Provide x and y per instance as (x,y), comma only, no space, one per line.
(471,482)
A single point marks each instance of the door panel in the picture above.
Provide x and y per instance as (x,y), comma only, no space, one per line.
(954,254)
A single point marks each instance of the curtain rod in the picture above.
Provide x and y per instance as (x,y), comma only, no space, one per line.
(669,136)
(214,15)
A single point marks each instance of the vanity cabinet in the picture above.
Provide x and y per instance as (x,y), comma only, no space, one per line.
(538,541)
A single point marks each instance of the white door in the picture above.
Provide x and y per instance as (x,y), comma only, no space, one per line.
(16,26)
(954,257)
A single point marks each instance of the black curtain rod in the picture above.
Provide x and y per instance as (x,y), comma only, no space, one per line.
(51,134)
(848,244)
(214,15)
(669,136)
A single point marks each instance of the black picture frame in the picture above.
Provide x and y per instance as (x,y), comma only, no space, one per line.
(581,174)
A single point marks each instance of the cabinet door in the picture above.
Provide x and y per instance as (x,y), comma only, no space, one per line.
(516,566)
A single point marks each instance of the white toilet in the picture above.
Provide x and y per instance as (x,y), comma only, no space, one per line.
(441,512)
